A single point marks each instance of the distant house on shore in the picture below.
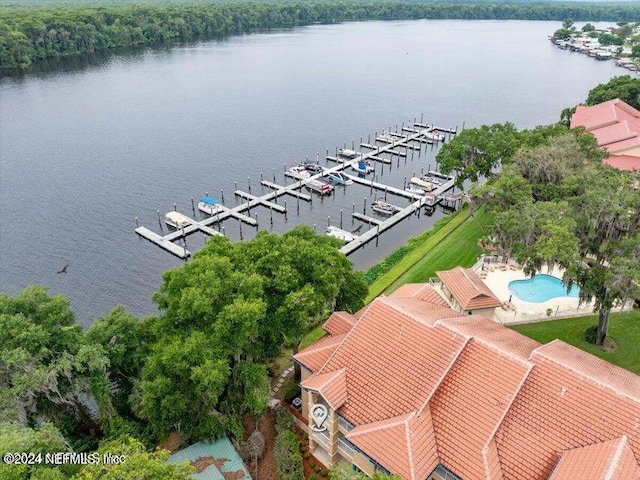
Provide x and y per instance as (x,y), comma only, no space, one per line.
(412,387)
(616,126)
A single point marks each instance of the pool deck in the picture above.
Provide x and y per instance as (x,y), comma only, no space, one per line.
(497,277)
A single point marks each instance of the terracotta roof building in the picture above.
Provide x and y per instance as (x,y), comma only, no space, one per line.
(467,292)
(616,126)
(417,389)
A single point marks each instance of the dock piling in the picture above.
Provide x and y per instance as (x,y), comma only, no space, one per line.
(353,207)
(249,183)
(377,233)
(271,215)
(298,205)
(261,177)
(240,230)
(385,193)
(328,221)
(159,220)
(285,210)
(222,230)
(175,207)
(274,175)
(369,140)
(404,185)
(137,225)
(193,206)
(314,228)
(421,117)
(340,218)
(222,196)
(257,224)
(364,207)
(353,144)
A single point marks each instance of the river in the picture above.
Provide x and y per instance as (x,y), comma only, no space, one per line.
(90,146)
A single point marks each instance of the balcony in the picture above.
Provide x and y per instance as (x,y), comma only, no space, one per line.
(323,439)
(346,448)
(344,424)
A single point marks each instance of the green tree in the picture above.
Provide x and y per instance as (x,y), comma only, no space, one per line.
(46,371)
(288,457)
(588,28)
(635,50)
(625,88)
(42,440)
(137,463)
(477,152)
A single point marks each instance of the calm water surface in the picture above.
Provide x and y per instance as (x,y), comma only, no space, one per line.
(84,151)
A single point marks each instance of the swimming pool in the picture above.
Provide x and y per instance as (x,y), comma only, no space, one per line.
(541,288)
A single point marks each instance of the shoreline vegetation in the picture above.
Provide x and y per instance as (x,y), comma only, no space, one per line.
(32,33)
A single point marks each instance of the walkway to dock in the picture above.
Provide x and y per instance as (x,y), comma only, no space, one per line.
(392,142)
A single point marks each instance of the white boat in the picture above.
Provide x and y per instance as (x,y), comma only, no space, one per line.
(347,153)
(176,220)
(384,208)
(338,178)
(210,205)
(415,190)
(300,172)
(341,234)
(319,187)
(423,185)
(433,135)
(362,167)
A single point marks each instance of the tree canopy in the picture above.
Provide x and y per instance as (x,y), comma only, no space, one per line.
(226,313)
(624,87)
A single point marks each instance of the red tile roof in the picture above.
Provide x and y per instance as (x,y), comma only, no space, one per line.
(488,402)
(404,445)
(612,460)
(623,162)
(332,386)
(420,291)
(559,408)
(314,356)
(407,356)
(339,322)
(468,289)
(616,126)
(470,403)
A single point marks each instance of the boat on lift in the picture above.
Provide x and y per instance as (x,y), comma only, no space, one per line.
(347,153)
(384,208)
(433,135)
(210,205)
(421,184)
(300,172)
(177,220)
(341,234)
(338,178)
(319,187)
(363,167)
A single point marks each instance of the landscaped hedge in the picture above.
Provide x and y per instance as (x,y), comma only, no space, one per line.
(288,457)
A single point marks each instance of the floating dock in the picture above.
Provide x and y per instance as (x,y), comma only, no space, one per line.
(392,140)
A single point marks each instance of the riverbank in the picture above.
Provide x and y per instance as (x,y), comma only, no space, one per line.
(451,242)
(34,33)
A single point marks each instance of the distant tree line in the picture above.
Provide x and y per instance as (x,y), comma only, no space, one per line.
(29,34)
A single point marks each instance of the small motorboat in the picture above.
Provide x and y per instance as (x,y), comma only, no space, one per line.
(414,190)
(384,208)
(313,168)
(300,172)
(338,178)
(341,234)
(433,135)
(421,184)
(176,220)
(347,153)
(319,187)
(362,167)
(210,205)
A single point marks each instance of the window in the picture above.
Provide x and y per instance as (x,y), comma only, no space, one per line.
(442,473)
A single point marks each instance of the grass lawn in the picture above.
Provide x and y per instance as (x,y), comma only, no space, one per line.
(456,246)
(624,329)
(311,337)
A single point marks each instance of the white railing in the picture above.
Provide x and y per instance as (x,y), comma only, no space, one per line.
(346,447)
(345,424)
(322,437)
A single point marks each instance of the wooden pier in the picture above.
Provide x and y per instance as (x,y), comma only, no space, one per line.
(242,212)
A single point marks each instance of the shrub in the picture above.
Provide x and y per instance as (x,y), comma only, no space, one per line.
(314,477)
(284,420)
(287,456)
(318,469)
(590,333)
(306,455)
(312,464)
(549,311)
(291,391)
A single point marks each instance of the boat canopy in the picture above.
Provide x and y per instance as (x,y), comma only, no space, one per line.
(421,183)
(177,218)
(209,200)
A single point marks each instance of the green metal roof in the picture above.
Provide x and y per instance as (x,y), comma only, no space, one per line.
(220,449)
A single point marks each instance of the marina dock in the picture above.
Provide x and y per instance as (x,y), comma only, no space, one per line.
(393,141)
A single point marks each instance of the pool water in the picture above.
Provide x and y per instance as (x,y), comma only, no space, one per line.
(541,288)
